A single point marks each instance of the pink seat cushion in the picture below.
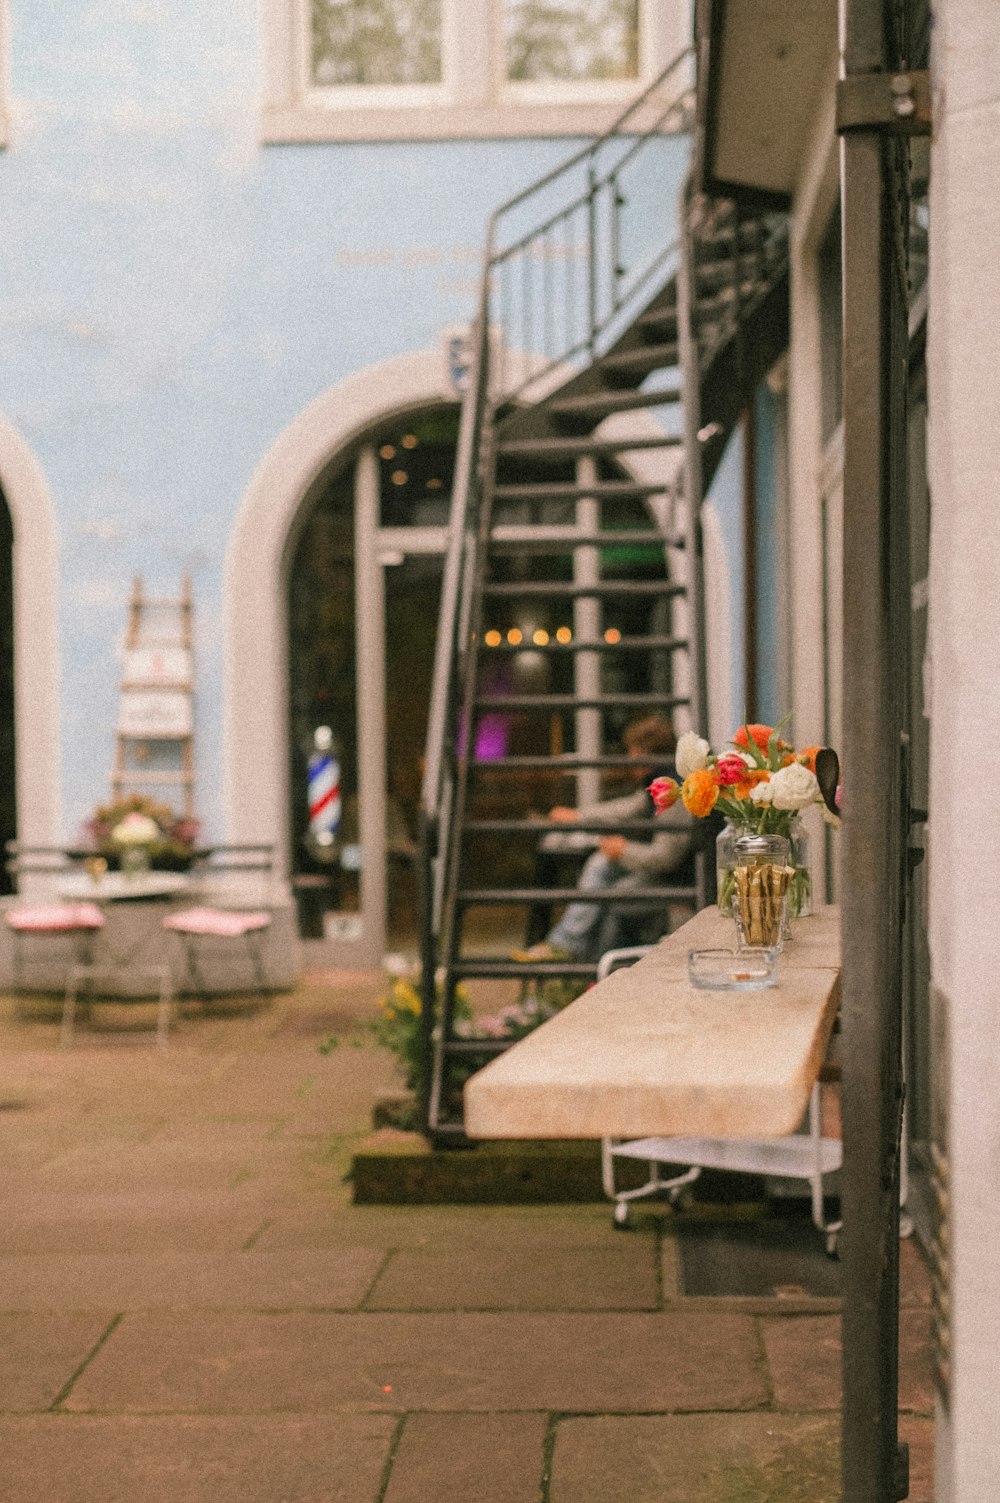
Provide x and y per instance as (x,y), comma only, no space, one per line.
(56,918)
(221,922)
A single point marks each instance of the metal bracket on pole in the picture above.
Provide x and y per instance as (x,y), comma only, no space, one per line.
(899,103)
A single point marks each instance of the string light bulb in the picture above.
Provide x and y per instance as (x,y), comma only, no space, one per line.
(515,636)
(493,638)
(564,635)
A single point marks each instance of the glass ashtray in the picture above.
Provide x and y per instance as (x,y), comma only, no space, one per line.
(747,970)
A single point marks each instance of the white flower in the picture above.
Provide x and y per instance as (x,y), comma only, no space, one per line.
(762,793)
(691,755)
(136,829)
(794,786)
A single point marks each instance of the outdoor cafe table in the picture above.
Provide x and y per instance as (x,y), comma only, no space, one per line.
(645,1053)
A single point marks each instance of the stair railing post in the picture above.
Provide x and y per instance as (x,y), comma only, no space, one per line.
(587,628)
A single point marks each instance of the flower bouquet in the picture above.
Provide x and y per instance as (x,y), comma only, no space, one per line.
(759,782)
(138,831)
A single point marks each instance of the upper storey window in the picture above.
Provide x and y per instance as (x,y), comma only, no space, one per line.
(571,42)
(425,69)
(376,43)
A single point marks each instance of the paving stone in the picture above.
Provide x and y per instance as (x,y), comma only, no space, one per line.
(40,1353)
(445,1228)
(237,1362)
(189,1458)
(704,1458)
(468,1458)
(804,1355)
(566,1278)
(277,1281)
(120,1229)
(670,1266)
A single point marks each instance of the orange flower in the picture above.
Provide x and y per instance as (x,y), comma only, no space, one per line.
(807,756)
(760,733)
(700,791)
(754,775)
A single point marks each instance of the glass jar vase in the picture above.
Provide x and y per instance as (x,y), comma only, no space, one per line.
(800,886)
(725,864)
(761,879)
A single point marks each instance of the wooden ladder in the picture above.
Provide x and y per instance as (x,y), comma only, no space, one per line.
(154,748)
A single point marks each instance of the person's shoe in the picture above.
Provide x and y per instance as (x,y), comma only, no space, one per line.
(542,951)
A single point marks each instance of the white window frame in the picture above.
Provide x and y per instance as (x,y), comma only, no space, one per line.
(474,98)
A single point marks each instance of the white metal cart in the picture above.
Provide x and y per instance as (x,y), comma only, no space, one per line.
(807,1156)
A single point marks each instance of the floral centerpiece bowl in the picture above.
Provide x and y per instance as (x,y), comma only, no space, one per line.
(137,832)
(760,784)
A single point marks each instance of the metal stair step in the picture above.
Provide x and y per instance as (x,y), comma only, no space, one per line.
(597,490)
(567,590)
(574,448)
(488,897)
(518,540)
(662,320)
(470,967)
(640,361)
(476,1046)
(599,404)
(625,644)
(580,702)
(568,762)
(540,827)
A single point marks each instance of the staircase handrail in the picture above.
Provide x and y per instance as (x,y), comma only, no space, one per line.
(487,388)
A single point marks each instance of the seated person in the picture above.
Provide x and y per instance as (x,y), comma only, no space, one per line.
(586,930)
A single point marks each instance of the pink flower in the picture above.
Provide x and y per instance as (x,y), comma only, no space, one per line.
(730,769)
(665,793)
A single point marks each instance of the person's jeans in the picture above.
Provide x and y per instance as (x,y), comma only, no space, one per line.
(586,930)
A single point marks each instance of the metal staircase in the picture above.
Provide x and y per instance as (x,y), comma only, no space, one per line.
(612,358)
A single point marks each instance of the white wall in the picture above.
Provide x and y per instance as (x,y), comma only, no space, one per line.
(964,830)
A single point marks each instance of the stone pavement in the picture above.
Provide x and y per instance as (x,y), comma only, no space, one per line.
(191,1308)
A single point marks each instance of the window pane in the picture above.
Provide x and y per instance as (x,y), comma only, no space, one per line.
(571,39)
(376,42)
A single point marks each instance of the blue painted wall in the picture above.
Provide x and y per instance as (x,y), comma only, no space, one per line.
(172,294)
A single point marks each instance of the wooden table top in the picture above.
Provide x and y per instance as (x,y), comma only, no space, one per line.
(644,1053)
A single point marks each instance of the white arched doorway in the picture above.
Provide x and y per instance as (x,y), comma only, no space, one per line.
(34,586)
(256,745)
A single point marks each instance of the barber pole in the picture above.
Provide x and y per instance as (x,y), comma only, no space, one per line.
(324,790)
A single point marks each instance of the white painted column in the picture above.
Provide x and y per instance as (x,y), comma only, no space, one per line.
(964,647)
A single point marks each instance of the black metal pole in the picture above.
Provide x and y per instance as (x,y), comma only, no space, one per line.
(875,670)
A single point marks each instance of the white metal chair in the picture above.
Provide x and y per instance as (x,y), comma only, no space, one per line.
(193,925)
(801,1156)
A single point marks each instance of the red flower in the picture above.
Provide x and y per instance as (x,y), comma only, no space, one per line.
(665,793)
(730,769)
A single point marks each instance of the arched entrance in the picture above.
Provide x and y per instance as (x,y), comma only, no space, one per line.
(325,485)
(364,584)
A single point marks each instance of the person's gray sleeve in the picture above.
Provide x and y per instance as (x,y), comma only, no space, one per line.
(612,810)
(669,847)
